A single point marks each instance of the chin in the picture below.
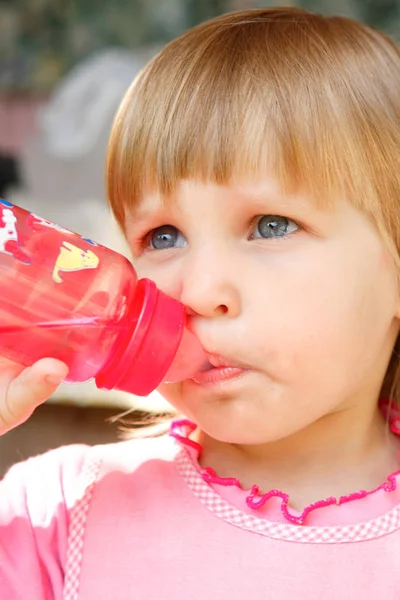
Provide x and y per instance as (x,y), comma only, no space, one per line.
(230,417)
(247,429)
(232,431)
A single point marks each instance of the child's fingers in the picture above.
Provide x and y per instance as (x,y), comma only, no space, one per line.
(25,390)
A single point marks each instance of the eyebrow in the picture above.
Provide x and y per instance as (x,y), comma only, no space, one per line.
(286,202)
(143,213)
(145,208)
(262,198)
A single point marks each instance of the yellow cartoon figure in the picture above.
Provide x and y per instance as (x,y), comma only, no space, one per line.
(72,258)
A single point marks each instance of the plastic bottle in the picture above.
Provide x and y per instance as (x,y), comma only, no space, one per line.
(66,297)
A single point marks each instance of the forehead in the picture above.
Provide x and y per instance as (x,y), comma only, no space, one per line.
(259,187)
(262,194)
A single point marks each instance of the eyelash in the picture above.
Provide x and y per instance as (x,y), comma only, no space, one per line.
(143,241)
(281,238)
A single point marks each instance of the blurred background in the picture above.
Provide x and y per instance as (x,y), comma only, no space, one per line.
(64,67)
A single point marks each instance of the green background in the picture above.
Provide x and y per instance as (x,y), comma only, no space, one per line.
(40,40)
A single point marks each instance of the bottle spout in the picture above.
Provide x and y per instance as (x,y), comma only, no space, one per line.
(189,359)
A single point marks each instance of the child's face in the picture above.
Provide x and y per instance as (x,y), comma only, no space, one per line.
(305,299)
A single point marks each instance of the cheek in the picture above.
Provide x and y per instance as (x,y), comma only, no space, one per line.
(322,311)
(167,276)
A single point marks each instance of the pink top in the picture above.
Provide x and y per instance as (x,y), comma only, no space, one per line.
(142,520)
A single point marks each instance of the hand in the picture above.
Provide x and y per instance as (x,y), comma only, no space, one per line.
(23,389)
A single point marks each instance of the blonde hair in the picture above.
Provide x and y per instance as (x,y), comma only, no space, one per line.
(314,100)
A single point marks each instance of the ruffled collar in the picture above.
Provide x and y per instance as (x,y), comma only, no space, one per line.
(183,428)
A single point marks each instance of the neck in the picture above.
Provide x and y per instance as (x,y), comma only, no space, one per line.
(341,453)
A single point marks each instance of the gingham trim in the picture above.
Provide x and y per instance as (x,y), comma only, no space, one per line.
(368,530)
(77,527)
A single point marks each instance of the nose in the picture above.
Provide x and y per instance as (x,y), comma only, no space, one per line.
(210,284)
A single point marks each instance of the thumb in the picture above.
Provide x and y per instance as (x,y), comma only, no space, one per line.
(30,388)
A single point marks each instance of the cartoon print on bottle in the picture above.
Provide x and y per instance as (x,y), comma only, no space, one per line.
(89,241)
(37,223)
(9,241)
(72,258)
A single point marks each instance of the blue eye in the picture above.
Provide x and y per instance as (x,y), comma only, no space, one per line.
(166,237)
(274,226)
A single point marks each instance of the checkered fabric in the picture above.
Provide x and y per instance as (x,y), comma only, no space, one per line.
(77,527)
(378,527)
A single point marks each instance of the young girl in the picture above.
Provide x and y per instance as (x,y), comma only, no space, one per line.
(254,168)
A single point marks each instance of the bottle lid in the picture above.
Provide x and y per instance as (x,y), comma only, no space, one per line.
(142,364)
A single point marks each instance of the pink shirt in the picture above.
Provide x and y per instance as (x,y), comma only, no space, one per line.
(136,520)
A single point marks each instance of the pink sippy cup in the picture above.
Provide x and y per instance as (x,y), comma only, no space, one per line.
(66,297)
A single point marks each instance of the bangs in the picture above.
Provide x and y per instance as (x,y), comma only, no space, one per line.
(309,100)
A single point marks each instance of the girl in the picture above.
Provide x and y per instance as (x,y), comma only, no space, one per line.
(254,168)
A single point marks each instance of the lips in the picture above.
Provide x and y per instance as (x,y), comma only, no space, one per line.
(217,361)
(218,370)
